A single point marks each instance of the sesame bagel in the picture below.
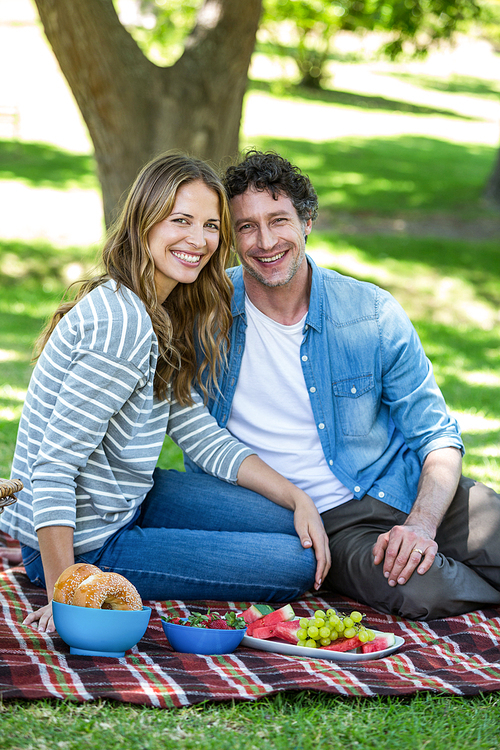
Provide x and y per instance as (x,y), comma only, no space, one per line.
(70,579)
(107,591)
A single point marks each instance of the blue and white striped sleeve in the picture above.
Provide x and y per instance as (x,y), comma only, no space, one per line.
(211,447)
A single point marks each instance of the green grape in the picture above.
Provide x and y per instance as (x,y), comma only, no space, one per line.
(330,613)
(334,620)
(325,641)
(363,635)
(313,631)
(319,613)
(340,627)
(304,622)
(310,643)
(324,632)
(371,634)
(356,616)
(349,633)
(334,635)
(302,634)
(348,623)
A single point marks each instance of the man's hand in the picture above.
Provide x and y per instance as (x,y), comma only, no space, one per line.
(404,549)
(311,532)
(411,546)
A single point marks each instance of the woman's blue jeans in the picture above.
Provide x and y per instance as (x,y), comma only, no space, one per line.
(197,537)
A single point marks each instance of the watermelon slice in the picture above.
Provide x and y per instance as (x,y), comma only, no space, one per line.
(279,615)
(263,631)
(380,643)
(287,631)
(256,612)
(343,644)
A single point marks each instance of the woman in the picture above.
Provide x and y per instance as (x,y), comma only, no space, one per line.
(115,373)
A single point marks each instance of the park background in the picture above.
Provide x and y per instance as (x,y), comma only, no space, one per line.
(400,153)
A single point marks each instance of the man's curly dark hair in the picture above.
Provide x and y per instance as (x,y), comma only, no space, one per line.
(270,171)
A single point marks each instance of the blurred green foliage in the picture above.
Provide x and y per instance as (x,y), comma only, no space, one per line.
(307,28)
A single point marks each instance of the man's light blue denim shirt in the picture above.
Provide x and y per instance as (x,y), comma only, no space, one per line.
(376,404)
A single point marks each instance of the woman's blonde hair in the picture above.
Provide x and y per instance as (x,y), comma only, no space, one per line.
(192,324)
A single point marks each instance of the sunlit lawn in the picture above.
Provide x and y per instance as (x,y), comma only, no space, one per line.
(451,289)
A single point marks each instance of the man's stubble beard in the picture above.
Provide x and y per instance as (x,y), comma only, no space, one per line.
(253,272)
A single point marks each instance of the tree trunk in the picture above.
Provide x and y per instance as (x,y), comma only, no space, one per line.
(135,109)
(492,189)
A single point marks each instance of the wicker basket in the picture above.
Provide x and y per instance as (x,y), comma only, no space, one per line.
(7,489)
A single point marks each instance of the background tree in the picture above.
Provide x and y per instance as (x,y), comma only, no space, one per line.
(414,25)
(191,98)
(134,108)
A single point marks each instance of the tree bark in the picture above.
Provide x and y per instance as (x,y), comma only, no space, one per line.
(135,109)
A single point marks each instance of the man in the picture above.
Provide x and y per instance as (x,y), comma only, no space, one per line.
(328,382)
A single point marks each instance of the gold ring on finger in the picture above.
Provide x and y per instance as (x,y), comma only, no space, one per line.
(416,549)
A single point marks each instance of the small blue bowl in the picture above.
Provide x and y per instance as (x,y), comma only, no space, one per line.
(188,640)
(99,632)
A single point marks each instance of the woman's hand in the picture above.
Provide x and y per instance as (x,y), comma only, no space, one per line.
(259,477)
(311,532)
(12,554)
(56,549)
(41,620)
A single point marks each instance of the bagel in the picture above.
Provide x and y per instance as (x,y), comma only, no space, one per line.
(70,579)
(107,591)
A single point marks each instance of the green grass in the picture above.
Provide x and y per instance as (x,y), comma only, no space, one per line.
(455,84)
(407,175)
(450,288)
(45,165)
(455,310)
(302,721)
(352,99)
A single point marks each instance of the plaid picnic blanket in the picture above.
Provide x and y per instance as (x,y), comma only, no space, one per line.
(457,656)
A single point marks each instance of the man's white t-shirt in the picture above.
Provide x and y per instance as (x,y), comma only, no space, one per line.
(271,411)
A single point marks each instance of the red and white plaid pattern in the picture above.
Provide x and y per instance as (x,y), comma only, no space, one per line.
(456,656)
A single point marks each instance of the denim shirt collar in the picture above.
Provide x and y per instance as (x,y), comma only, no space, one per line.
(314,314)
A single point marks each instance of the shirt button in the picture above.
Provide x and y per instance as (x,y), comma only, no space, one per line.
(321,426)
(304,358)
(357,489)
(330,462)
(312,389)
(381,494)
(353,389)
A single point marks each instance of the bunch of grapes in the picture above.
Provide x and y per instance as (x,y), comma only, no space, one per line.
(326,627)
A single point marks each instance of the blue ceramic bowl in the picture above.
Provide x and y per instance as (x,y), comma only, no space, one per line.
(188,640)
(99,632)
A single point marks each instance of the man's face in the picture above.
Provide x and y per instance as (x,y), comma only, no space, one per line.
(270,237)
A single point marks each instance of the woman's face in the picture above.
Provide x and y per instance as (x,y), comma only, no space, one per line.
(183,242)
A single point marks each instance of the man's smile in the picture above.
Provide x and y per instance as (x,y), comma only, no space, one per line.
(272,258)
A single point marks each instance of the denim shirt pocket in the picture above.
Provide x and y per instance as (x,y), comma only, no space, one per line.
(355,402)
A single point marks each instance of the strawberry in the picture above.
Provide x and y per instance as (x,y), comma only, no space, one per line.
(218,624)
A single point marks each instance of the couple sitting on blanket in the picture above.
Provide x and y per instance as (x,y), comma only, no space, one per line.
(307,392)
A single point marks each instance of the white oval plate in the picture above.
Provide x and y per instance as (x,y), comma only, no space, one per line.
(289,649)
